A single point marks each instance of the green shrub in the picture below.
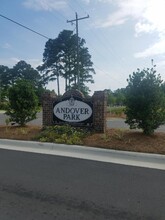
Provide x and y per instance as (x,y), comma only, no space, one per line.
(145,101)
(3,105)
(63,134)
(23,103)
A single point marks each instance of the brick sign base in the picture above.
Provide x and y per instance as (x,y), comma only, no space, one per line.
(99,104)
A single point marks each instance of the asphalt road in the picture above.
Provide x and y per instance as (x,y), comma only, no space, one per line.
(120,124)
(37,121)
(46,187)
(111,123)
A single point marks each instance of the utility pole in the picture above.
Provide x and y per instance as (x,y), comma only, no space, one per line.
(77,19)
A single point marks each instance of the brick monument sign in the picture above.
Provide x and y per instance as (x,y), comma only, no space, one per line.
(74,109)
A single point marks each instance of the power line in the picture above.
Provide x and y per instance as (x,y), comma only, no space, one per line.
(109,47)
(71,21)
(95,48)
(107,74)
(24,26)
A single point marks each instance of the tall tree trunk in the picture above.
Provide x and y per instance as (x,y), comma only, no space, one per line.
(58,85)
(66,86)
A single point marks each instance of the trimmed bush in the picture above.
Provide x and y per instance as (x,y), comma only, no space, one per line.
(145,101)
(23,103)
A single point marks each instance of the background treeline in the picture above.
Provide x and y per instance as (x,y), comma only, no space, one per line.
(24,71)
(117,97)
(21,71)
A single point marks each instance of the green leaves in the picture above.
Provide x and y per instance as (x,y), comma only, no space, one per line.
(63,134)
(23,103)
(145,101)
(60,61)
(21,71)
(116,98)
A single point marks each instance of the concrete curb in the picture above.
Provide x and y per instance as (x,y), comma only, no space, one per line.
(154,161)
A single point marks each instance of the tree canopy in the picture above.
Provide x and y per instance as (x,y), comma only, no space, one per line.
(60,61)
(116,98)
(21,71)
(4,81)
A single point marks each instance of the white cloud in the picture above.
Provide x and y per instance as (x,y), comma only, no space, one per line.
(156,49)
(125,9)
(86,1)
(34,62)
(10,62)
(102,1)
(152,21)
(45,5)
(114,20)
(161,63)
(6,46)
(15,59)
(148,16)
(105,1)
(141,27)
(153,18)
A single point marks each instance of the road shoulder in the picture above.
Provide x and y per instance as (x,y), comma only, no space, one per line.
(153,161)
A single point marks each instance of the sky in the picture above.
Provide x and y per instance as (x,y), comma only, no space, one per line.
(121,35)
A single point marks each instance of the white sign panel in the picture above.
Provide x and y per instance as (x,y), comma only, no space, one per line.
(72,110)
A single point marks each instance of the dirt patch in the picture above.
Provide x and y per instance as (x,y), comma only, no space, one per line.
(127,140)
(19,133)
(117,139)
